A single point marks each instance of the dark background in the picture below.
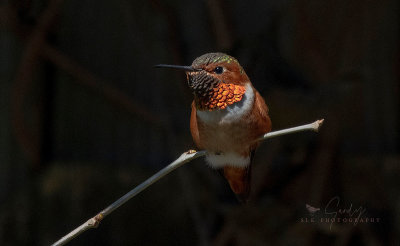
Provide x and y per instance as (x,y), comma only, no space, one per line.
(85,117)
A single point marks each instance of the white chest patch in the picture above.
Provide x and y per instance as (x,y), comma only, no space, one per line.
(231,113)
(227,159)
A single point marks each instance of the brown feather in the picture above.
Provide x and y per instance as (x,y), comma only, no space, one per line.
(239,181)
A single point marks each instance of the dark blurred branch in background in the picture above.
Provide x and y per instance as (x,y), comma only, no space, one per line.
(30,139)
(97,85)
(175,42)
(222,23)
(37,47)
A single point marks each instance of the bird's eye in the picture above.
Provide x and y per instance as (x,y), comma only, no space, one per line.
(218,70)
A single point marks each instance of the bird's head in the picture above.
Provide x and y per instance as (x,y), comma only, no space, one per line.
(216,79)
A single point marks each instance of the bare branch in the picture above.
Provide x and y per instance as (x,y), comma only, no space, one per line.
(183,159)
(95,221)
(309,127)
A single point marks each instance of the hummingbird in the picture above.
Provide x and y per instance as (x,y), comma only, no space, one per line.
(228,115)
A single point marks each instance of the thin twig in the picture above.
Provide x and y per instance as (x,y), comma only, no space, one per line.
(94,222)
(183,159)
(309,127)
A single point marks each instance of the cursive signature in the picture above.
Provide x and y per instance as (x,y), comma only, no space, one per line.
(333,208)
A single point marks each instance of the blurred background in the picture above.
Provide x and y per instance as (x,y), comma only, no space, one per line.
(84,118)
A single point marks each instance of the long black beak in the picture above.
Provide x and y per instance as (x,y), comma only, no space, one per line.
(184,68)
